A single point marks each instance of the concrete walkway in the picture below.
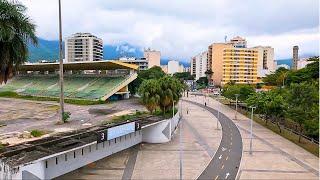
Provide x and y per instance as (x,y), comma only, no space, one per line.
(273,157)
(200,140)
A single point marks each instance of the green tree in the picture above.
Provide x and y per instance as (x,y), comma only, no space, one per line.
(16,31)
(302,104)
(149,92)
(277,78)
(183,76)
(202,82)
(171,90)
(243,90)
(152,73)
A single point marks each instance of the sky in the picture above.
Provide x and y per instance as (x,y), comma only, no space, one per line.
(181,29)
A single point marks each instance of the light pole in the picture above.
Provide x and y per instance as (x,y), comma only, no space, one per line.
(61,66)
(235,116)
(172,108)
(251,136)
(218,120)
(180,142)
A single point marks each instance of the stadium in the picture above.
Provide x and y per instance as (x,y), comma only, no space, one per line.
(96,80)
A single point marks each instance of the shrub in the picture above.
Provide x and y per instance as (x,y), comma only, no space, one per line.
(37,133)
(65,116)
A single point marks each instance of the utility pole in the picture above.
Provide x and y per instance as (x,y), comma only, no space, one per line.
(251,135)
(218,120)
(235,116)
(172,108)
(61,66)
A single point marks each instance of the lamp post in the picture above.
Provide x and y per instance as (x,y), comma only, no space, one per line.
(251,135)
(235,116)
(180,142)
(218,120)
(172,108)
(61,66)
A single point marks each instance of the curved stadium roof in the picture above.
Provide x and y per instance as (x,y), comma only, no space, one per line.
(92,65)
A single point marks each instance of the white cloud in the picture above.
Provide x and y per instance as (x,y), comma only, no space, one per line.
(183,28)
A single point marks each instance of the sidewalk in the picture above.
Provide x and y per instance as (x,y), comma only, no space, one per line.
(273,157)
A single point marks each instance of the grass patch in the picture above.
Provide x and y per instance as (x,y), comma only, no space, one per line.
(305,144)
(37,133)
(10,94)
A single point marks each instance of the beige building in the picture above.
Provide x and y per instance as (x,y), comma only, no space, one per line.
(233,61)
(153,57)
(83,47)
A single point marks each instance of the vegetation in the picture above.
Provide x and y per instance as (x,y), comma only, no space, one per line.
(10,94)
(293,103)
(65,116)
(152,73)
(37,133)
(202,82)
(183,76)
(127,117)
(160,93)
(243,90)
(16,31)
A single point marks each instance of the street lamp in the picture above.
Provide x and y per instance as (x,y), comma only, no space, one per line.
(251,136)
(172,108)
(235,116)
(61,66)
(180,143)
(218,120)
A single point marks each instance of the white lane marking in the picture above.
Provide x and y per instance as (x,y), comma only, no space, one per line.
(227,175)
(216,178)
(220,156)
(223,149)
(227,157)
(222,167)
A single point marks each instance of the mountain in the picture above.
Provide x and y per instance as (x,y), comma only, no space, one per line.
(49,50)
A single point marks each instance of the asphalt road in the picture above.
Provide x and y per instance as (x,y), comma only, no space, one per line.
(226,161)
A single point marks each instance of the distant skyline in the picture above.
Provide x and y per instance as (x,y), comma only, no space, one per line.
(183,28)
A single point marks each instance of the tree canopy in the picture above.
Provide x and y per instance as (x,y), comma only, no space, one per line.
(16,31)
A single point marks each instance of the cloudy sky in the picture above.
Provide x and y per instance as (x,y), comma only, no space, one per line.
(182,28)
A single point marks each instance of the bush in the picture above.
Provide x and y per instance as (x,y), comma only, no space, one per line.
(65,116)
(37,133)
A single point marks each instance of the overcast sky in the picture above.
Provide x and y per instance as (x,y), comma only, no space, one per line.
(183,28)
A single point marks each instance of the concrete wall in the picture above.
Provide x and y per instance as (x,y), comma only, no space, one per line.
(61,163)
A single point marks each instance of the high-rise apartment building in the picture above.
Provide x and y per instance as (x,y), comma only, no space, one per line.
(199,65)
(266,63)
(233,61)
(83,47)
(295,57)
(153,57)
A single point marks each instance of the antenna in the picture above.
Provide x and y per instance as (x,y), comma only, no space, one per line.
(225,38)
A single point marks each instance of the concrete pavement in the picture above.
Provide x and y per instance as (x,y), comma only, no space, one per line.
(226,161)
(274,157)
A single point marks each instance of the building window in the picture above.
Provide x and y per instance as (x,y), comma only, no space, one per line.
(46,164)
(56,160)
(82,151)
(74,154)
(66,157)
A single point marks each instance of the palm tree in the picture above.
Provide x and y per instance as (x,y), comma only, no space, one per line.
(209,74)
(16,32)
(149,92)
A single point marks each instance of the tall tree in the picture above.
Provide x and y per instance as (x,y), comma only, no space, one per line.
(16,31)
(149,91)
(302,101)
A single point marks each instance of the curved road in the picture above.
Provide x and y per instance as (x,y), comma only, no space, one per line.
(226,161)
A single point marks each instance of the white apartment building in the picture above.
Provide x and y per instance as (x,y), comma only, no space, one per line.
(199,65)
(266,62)
(83,47)
(141,62)
(173,66)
